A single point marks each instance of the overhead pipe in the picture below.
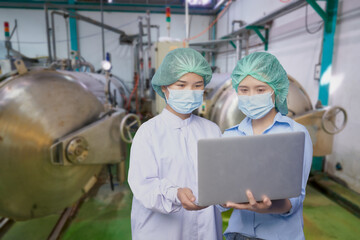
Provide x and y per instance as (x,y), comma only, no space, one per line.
(273,15)
(89,20)
(176,9)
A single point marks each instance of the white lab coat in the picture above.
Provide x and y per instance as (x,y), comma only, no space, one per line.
(163,158)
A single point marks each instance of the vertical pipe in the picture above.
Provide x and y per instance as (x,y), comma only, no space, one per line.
(238,49)
(327,51)
(247,43)
(73,31)
(141,58)
(148,50)
(47,33)
(148,29)
(227,45)
(67,38)
(213,38)
(187,20)
(53,34)
(158,32)
(102,29)
(17,36)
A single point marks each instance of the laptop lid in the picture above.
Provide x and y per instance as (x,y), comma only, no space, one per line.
(268,164)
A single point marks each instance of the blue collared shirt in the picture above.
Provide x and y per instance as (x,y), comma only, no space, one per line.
(272,226)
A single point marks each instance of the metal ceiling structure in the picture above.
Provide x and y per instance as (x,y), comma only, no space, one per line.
(155,6)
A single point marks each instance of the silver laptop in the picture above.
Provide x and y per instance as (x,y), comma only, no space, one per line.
(268,164)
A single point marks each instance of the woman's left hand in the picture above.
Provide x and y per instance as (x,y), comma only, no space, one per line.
(253,205)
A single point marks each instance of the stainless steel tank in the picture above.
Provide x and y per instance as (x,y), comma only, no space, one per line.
(221,107)
(40,109)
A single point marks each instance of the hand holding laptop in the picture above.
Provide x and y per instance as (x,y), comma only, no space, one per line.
(187,199)
(264,206)
(253,205)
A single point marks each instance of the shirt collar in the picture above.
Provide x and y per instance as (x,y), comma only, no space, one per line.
(245,126)
(174,121)
(283,119)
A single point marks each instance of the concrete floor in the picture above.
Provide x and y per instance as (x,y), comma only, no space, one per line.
(107,216)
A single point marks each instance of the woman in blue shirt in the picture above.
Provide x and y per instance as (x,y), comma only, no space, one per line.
(262,86)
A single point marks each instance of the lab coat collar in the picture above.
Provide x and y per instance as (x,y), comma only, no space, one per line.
(174,121)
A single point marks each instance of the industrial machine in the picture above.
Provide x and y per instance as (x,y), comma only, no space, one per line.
(221,106)
(57,130)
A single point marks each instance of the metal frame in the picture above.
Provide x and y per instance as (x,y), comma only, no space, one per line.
(73,30)
(73,16)
(262,24)
(264,39)
(329,17)
(113,7)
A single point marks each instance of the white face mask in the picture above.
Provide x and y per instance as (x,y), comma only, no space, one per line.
(256,106)
(185,101)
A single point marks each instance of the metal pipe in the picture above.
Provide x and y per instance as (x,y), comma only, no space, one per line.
(154,8)
(67,38)
(148,26)
(278,13)
(212,42)
(187,20)
(12,32)
(87,64)
(53,29)
(238,49)
(89,20)
(141,57)
(148,65)
(247,43)
(47,32)
(53,34)
(241,23)
(102,29)
(157,30)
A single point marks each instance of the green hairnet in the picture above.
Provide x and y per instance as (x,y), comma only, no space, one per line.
(177,63)
(266,68)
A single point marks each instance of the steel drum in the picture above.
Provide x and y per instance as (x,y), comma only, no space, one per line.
(36,109)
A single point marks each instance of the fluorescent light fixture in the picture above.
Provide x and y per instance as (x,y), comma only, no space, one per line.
(198,2)
(110,1)
(219,3)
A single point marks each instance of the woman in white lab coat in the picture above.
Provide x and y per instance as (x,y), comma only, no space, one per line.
(163,159)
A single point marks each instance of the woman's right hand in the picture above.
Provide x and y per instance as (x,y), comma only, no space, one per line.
(187,199)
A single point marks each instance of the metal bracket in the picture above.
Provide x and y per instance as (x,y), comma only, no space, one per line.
(97,143)
(319,10)
(265,39)
(331,8)
(20,66)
